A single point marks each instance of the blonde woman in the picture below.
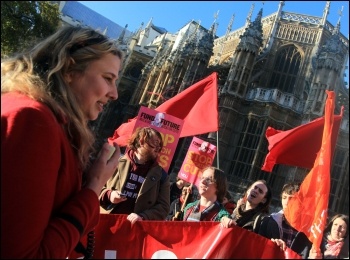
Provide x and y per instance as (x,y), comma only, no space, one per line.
(48,96)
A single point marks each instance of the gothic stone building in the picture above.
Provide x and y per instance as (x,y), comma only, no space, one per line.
(271,72)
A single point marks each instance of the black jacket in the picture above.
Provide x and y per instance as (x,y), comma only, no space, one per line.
(270,229)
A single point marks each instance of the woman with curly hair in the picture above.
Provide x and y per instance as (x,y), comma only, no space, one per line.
(49,185)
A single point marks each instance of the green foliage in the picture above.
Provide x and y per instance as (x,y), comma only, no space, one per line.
(26,22)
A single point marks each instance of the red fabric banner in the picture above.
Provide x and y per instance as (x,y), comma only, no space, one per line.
(116,238)
(307,210)
(197,106)
(298,146)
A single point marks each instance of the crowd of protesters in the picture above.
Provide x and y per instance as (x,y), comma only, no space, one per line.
(48,96)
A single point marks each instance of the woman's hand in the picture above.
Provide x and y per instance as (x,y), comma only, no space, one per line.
(315,253)
(102,169)
(227,222)
(280,243)
(116,197)
(133,217)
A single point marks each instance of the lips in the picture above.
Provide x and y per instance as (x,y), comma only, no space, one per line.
(101,105)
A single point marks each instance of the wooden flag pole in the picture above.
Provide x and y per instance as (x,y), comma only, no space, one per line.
(183,204)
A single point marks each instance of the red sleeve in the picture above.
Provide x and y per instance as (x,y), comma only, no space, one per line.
(38,183)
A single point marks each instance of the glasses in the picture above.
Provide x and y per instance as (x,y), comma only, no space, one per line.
(207,180)
(156,148)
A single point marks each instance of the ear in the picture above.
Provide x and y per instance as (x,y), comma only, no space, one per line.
(263,201)
(68,76)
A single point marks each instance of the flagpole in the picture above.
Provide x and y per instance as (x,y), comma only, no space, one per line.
(217,148)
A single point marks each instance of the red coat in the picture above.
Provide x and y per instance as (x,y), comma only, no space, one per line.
(40,181)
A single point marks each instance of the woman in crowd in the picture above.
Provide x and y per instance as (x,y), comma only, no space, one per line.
(333,244)
(228,203)
(212,189)
(48,96)
(251,208)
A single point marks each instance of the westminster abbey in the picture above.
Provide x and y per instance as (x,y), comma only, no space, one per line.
(271,72)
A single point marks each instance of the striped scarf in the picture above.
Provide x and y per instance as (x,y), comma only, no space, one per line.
(193,213)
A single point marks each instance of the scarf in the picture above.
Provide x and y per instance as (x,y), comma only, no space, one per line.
(332,248)
(196,215)
(245,218)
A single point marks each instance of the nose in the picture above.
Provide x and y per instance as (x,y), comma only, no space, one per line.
(113,94)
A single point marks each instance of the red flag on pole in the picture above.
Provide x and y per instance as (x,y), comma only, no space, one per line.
(307,210)
(196,105)
(298,146)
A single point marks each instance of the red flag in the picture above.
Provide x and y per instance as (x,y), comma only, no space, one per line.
(196,105)
(298,146)
(307,210)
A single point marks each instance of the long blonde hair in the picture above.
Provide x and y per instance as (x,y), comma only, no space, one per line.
(39,74)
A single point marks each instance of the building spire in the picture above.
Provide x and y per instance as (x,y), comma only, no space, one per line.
(122,34)
(148,27)
(340,12)
(229,26)
(326,12)
(249,17)
(213,26)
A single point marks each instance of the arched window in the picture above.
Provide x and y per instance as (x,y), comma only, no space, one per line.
(285,71)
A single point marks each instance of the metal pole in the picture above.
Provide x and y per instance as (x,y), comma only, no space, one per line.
(217,148)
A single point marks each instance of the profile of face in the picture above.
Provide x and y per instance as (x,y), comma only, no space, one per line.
(338,229)
(285,199)
(256,193)
(96,86)
(207,184)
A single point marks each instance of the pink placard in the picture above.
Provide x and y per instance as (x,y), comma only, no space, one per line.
(169,127)
(200,154)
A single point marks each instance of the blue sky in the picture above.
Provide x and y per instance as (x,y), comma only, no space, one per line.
(173,15)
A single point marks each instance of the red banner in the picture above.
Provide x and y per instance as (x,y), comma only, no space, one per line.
(116,238)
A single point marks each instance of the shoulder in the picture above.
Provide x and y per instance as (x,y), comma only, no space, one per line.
(159,174)
(20,113)
(268,219)
(18,105)
(189,205)
(223,212)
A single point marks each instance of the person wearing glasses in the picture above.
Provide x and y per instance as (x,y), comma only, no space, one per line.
(139,187)
(212,190)
(251,208)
